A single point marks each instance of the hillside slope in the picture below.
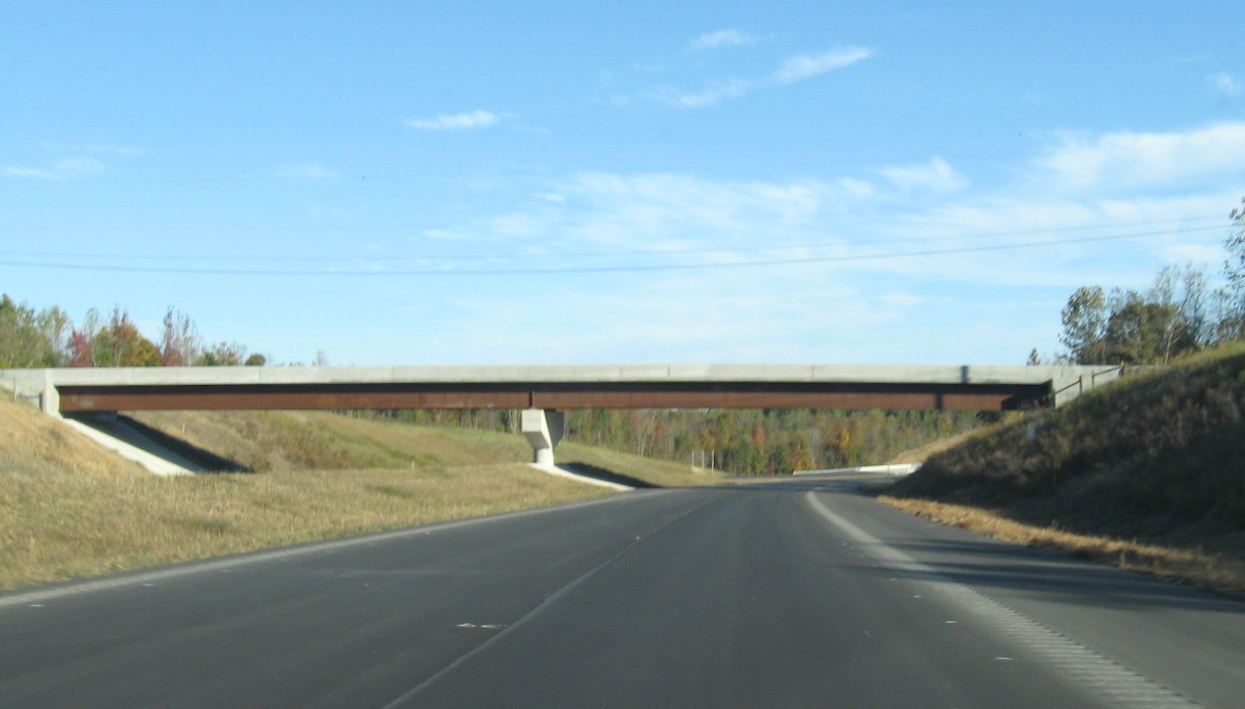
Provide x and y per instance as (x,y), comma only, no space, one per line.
(282,441)
(69,508)
(1158,458)
(34,444)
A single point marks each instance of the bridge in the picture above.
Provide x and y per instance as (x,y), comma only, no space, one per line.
(542,392)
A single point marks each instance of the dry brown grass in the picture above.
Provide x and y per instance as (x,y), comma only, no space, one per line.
(921,453)
(661,473)
(1217,565)
(1150,471)
(61,526)
(276,440)
(34,444)
(70,509)
(294,440)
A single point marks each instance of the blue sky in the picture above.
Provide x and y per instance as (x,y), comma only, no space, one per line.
(541,182)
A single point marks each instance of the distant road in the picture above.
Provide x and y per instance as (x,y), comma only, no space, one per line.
(787,594)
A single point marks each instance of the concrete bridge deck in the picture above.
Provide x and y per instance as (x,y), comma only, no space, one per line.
(987,388)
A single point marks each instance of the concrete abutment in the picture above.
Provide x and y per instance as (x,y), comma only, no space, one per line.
(543,430)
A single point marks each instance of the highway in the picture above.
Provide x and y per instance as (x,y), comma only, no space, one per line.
(797,593)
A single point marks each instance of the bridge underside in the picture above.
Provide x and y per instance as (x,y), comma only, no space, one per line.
(560,395)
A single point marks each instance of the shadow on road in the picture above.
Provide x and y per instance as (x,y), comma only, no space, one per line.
(989,564)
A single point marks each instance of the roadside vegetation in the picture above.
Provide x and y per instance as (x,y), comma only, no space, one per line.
(70,509)
(735,441)
(62,526)
(32,444)
(1148,473)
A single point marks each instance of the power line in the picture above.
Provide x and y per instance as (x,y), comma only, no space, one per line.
(599,269)
(769,248)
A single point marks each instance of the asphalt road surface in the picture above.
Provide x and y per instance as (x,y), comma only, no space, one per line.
(791,594)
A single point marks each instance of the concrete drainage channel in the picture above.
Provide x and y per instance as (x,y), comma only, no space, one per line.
(129,443)
(156,451)
(897,470)
(564,473)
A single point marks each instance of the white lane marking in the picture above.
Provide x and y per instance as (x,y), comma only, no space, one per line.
(550,601)
(1101,675)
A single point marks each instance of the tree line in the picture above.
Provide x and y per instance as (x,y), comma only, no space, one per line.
(1181,313)
(737,441)
(31,338)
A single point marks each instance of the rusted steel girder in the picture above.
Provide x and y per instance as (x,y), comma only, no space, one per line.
(555,395)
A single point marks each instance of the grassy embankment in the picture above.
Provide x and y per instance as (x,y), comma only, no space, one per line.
(1147,474)
(70,509)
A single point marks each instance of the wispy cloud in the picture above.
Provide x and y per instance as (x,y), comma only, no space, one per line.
(1127,160)
(63,169)
(710,95)
(935,176)
(860,251)
(1224,84)
(807,66)
(794,69)
(457,121)
(721,38)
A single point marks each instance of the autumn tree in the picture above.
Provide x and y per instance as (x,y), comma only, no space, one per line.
(57,329)
(1234,271)
(120,344)
(1135,331)
(222,354)
(180,344)
(23,340)
(81,353)
(1085,325)
(1177,315)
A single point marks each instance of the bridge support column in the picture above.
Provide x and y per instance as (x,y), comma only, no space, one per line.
(543,430)
(50,398)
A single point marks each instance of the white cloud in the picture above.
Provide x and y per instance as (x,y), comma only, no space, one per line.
(457,121)
(855,187)
(1132,160)
(63,169)
(1194,253)
(721,38)
(775,265)
(792,70)
(711,95)
(307,171)
(935,176)
(807,66)
(659,203)
(1224,84)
